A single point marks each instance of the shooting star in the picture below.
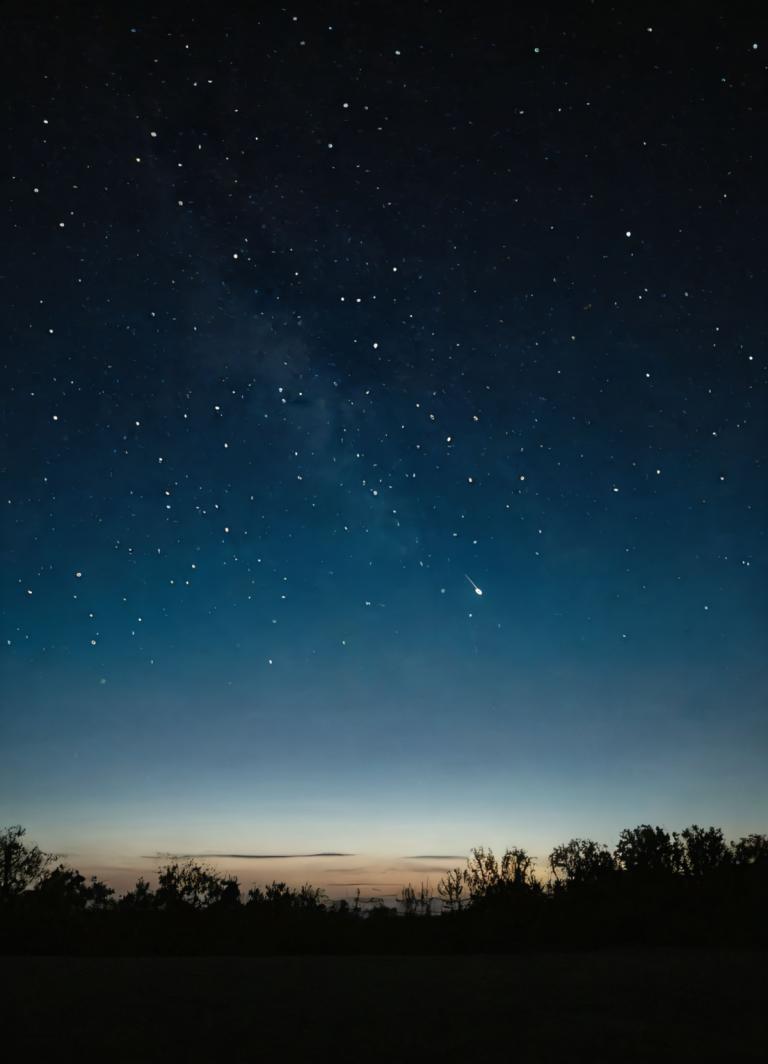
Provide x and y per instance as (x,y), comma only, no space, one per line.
(478,590)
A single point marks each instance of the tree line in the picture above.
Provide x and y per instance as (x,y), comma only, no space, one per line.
(657,887)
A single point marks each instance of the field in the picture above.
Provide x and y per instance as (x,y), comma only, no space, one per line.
(654,1005)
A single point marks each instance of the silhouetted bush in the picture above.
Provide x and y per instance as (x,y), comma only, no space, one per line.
(687,888)
(20,865)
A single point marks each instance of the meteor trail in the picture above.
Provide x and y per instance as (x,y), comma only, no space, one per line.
(478,590)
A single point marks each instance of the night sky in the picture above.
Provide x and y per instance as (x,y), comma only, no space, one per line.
(318,322)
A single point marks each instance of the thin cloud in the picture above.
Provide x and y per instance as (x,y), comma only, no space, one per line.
(242,856)
(435,857)
(351,870)
(423,869)
(370,889)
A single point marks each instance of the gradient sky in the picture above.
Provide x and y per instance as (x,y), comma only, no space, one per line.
(313,318)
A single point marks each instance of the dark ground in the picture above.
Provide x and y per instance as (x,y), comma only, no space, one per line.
(653,1005)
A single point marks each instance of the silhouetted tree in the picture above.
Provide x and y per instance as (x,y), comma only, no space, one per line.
(408,900)
(751,851)
(62,888)
(141,897)
(229,896)
(100,896)
(21,865)
(255,897)
(451,889)
(187,884)
(685,888)
(581,861)
(648,852)
(280,897)
(489,878)
(416,903)
(309,897)
(702,850)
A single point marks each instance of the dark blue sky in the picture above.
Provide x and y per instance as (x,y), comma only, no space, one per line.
(310,317)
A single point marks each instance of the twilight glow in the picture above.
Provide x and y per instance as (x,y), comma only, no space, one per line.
(383,437)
